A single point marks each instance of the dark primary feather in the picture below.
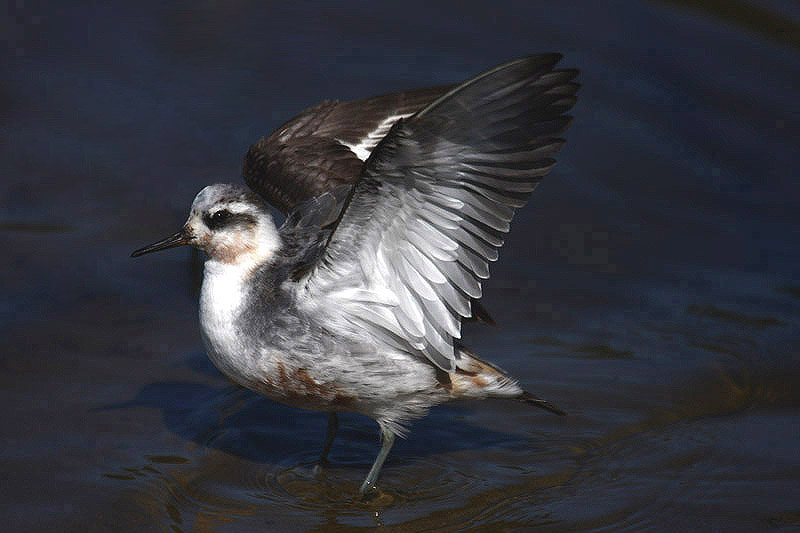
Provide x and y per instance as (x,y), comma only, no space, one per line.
(308,155)
(436,197)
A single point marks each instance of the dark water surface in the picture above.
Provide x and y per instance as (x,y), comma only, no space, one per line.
(651,288)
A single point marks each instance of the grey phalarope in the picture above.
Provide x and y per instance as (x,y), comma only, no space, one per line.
(395,206)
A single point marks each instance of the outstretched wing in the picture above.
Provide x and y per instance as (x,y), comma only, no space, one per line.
(434,200)
(325,146)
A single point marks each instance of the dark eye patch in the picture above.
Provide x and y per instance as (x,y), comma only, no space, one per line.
(223,218)
(217,219)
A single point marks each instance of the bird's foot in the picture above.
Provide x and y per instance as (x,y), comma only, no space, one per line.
(320,467)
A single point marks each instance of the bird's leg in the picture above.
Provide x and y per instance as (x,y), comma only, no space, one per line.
(387,440)
(333,426)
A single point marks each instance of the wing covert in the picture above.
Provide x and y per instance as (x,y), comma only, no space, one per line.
(325,146)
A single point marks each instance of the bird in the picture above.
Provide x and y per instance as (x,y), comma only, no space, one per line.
(394,207)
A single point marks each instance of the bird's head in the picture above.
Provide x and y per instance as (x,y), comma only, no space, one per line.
(229,223)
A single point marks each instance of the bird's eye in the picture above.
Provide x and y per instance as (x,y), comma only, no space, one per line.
(221,215)
(218,219)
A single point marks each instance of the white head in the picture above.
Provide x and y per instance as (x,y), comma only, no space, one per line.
(231,224)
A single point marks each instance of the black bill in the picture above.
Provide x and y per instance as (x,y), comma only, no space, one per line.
(178,239)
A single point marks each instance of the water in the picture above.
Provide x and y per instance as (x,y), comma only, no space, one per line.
(651,288)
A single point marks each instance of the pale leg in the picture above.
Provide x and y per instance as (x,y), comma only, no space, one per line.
(387,440)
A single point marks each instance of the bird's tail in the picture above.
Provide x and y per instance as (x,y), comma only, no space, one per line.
(527,397)
(476,378)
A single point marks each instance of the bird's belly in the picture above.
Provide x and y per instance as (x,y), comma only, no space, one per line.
(297,387)
(275,371)
(280,377)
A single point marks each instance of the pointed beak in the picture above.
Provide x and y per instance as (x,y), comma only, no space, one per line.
(178,239)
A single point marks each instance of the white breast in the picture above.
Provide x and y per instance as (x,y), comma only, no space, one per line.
(221,301)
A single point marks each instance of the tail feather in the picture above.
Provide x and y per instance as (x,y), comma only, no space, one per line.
(476,378)
(538,402)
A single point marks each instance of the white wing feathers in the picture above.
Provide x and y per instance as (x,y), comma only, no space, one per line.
(364,146)
(435,198)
